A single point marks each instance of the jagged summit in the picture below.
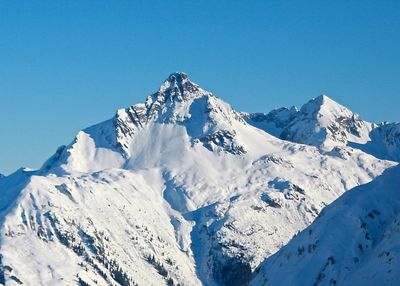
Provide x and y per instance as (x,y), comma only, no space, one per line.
(176,87)
(177,76)
(175,80)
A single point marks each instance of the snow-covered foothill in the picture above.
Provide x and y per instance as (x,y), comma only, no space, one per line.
(354,241)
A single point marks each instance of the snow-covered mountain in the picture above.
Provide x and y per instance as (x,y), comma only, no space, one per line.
(324,123)
(179,190)
(354,241)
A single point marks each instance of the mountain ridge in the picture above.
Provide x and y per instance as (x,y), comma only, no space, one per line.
(326,124)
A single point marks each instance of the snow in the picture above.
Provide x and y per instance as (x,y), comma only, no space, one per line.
(354,241)
(85,157)
(179,189)
(326,124)
(384,143)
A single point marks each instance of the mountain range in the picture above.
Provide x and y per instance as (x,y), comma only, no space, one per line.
(184,190)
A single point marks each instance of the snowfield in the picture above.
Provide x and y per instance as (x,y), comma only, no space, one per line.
(184,190)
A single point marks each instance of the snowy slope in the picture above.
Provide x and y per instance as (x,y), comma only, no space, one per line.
(102,226)
(177,190)
(324,123)
(384,143)
(354,241)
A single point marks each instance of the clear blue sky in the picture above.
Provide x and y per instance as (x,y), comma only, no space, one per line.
(65,65)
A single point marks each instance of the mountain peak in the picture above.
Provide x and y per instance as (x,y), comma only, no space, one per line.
(324,122)
(177,86)
(177,77)
(324,99)
(324,105)
(175,80)
(321,122)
